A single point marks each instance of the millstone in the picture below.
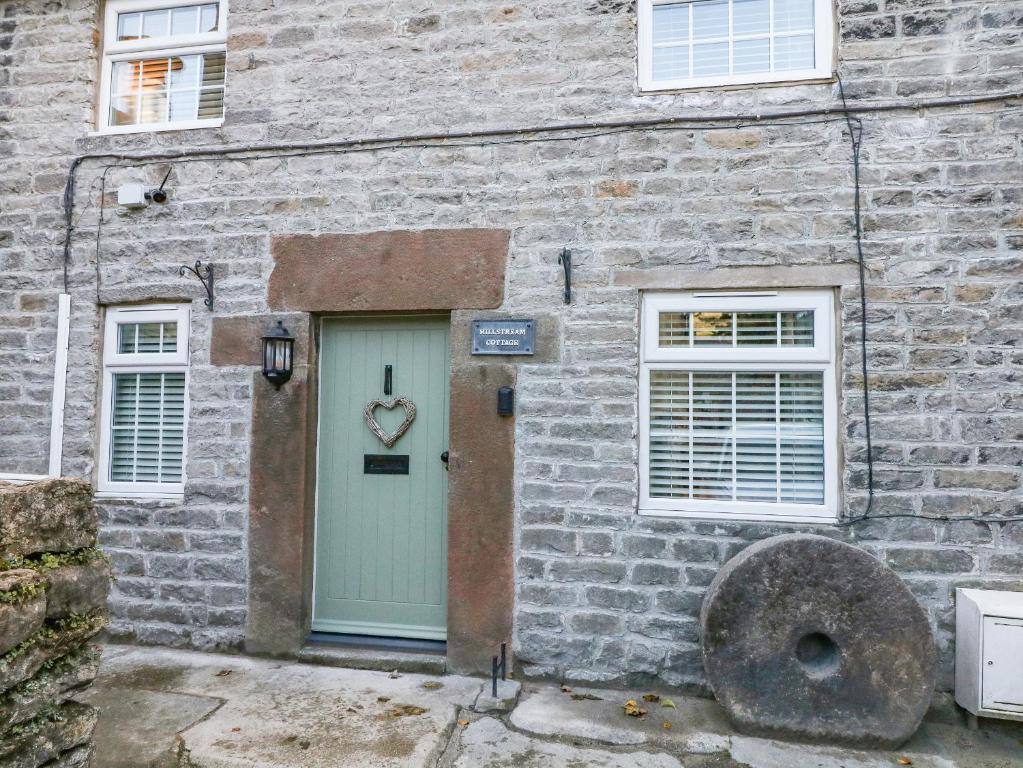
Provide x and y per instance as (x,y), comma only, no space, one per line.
(812,639)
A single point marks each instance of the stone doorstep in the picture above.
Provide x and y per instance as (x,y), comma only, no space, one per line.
(376,659)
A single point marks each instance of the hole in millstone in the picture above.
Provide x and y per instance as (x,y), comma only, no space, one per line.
(818,654)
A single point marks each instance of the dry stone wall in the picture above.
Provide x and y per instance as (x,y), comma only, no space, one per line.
(602,593)
(53,591)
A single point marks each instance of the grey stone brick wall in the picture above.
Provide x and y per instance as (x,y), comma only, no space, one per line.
(603,594)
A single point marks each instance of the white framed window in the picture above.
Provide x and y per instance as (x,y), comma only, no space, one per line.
(738,405)
(163,65)
(143,414)
(706,43)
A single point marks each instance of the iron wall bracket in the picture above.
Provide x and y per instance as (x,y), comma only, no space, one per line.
(205,274)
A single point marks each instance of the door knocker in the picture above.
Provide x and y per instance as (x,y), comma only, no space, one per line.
(389,439)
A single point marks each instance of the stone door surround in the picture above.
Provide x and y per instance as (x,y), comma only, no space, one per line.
(378,272)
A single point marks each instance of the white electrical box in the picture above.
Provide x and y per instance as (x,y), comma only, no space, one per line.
(132,195)
(989,652)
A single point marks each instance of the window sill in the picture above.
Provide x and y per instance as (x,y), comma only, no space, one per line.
(158,128)
(668,87)
(122,496)
(824,518)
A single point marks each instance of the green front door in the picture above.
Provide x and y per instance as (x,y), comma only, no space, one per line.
(381,512)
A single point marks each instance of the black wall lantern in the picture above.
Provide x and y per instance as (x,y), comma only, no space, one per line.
(278,354)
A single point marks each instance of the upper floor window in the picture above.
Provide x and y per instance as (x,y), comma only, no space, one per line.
(163,65)
(145,401)
(704,43)
(738,406)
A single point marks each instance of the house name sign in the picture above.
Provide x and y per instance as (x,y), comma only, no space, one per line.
(503,337)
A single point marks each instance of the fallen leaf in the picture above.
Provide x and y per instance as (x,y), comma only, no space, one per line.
(463,723)
(290,739)
(632,709)
(304,744)
(383,699)
(223,673)
(666,725)
(432,685)
(236,729)
(585,697)
(651,698)
(668,703)
(904,761)
(405,710)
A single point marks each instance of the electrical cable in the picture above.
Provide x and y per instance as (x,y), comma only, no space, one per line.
(856,140)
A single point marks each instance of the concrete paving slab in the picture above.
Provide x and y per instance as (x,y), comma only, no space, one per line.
(696,725)
(138,728)
(488,743)
(283,714)
(699,727)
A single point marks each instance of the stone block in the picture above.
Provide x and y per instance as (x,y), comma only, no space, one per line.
(55,515)
(23,615)
(62,640)
(77,588)
(49,737)
(51,685)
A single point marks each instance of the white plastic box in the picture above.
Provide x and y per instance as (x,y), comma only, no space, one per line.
(989,653)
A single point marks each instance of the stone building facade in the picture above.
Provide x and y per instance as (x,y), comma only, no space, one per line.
(546,548)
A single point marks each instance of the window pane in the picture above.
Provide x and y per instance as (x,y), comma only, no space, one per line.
(797,328)
(147,427)
(124,77)
(751,17)
(756,329)
(154,74)
(712,400)
(802,472)
(146,338)
(751,56)
(155,23)
(184,71)
(801,404)
(793,52)
(710,19)
(793,15)
(712,468)
(209,21)
(671,62)
(671,23)
(712,328)
(184,105)
(669,434)
(213,70)
(193,84)
(710,59)
(755,436)
(673,329)
(185,21)
(129,26)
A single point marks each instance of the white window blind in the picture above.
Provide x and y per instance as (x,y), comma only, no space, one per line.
(147,428)
(738,406)
(145,401)
(723,42)
(163,65)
